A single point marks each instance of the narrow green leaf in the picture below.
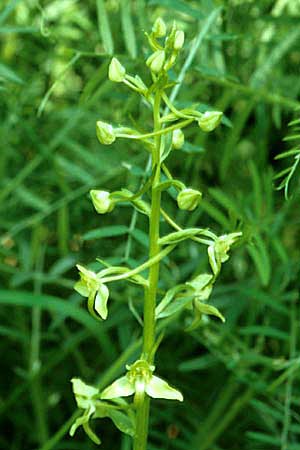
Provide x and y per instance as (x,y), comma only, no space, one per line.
(128,29)
(104,28)
(104,232)
(262,330)
(179,6)
(8,74)
(8,9)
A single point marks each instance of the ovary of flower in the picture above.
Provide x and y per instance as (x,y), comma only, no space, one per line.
(139,380)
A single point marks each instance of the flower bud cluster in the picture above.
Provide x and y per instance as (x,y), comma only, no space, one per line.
(164,57)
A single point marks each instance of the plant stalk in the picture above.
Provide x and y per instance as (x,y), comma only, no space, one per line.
(143,405)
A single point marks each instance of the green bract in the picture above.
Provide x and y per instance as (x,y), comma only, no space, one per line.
(210,120)
(188,199)
(139,380)
(105,133)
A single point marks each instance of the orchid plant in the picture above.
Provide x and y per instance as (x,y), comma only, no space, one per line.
(139,381)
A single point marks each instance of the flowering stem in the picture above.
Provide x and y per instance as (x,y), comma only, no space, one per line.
(142,413)
(158,131)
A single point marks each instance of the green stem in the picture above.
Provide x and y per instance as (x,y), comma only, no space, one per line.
(143,405)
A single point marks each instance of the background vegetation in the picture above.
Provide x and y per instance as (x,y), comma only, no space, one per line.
(241,379)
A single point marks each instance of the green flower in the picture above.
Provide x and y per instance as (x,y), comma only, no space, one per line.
(178,40)
(210,120)
(105,133)
(217,251)
(90,286)
(159,28)
(155,62)
(116,72)
(201,287)
(188,199)
(177,139)
(139,380)
(87,399)
(102,201)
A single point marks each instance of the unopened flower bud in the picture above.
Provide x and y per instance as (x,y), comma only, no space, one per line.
(178,40)
(177,139)
(210,120)
(188,199)
(101,201)
(159,28)
(105,133)
(116,72)
(156,61)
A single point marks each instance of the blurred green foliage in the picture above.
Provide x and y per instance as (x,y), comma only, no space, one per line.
(241,379)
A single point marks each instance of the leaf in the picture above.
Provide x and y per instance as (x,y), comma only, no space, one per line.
(262,330)
(201,363)
(263,438)
(8,10)
(53,304)
(122,422)
(104,28)
(180,6)
(128,29)
(9,74)
(260,256)
(104,232)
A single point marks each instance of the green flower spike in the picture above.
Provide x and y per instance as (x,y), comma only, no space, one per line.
(116,72)
(105,133)
(210,120)
(155,62)
(139,380)
(188,199)
(217,251)
(90,286)
(102,201)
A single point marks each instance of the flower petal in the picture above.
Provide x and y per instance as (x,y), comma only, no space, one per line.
(158,388)
(100,304)
(81,288)
(85,390)
(122,387)
(204,308)
(215,265)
